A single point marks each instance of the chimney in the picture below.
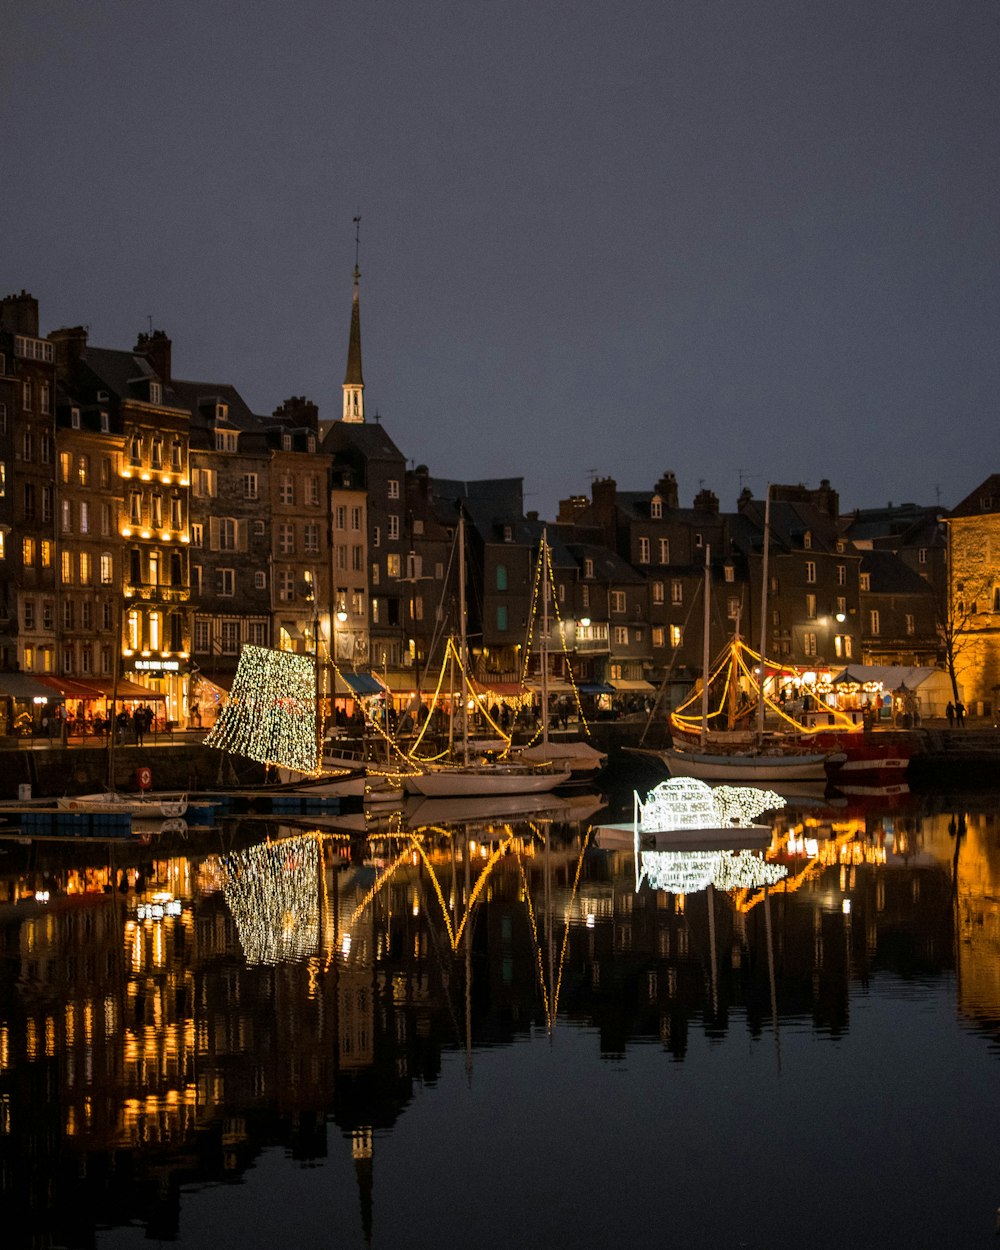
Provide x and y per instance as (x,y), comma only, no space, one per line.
(70,344)
(155,348)
(298,413)
(19,314)
(571,509)
(706,501)
(666,488)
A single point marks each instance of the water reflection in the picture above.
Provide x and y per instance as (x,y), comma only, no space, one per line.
(164,1017)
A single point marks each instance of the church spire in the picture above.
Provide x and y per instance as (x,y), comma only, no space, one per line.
(354,383)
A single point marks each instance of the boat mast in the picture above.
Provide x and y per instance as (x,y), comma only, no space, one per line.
(463,649)
(705,653)
(544,558)
(763,614)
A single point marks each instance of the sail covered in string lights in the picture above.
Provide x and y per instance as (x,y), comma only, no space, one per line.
(270,715)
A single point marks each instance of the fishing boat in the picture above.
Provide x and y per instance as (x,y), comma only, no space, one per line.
(742,753)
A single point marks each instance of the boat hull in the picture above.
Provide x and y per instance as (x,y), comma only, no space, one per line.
(706,766)
(463,782)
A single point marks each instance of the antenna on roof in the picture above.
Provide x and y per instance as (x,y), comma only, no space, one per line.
(149,321)
(937,495)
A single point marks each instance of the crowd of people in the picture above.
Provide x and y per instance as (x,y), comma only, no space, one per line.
(130,725)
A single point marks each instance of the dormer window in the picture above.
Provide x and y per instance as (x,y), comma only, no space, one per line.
(226,440)
(656,509)
(508,533)
(841,545)
(588,567)
(986,502)
(74,418)
(730,573)
(311,443)
(807,540)
(286,442)
(221,411)
(105,424)
(155,393)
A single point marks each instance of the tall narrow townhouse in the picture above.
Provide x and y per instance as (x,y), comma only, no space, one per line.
(29,548)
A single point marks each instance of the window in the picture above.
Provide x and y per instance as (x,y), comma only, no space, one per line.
(67,614)
(312,488)
(156,453)
(225,529)
(393,488)
(501,617)
(84,517)
(588,567)
(28,612)
(807,540)
(197,534)
(107,569)
(342,556)
(809,644)
(729,573)
(659,636)
(643,550)
(86,568)
(841,574)
(377,537)
(392,565)
(618,601)
(340,517)
(866,581)
(259,529)
(310,538)
(810,571)
(922,555)
(230,637)
(65,466)
(260,580)
(393,528)
(676,635)
(45,552)
(176,515)
(286,442)
(286,489)
(699,540)
(621,635)
(811,606)
(356,521)
(501,577)
(225,582)
(357,558)
(676,592)
(196,579)
(584,596)
(28,551)
(176,455)
(66,516)
(66,568)
(733,608)
(135,451)
(286,539)
(375,573)
(873,621)
(28,498)
(664,550)
(48,614)
(105,424)
(286,586)
(658,596)
(202,634)
(226,440)
(204,484)
(911,624)
(74,418)
(258,634)
(29,659)
(249,485)
(26,445)
(26,395)
(656,509)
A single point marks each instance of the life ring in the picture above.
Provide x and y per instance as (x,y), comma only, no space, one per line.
(144,776)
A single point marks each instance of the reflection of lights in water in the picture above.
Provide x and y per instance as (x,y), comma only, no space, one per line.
(591,920)
(846,907)
(345,945)
(271,891)
(41,896)
(687,872)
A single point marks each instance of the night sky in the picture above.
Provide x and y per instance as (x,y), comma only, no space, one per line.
(743,241)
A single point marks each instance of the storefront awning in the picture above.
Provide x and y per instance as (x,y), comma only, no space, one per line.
(358,683)
(131,691)
(74,687)
(631,686)
(23,687)
(555,686)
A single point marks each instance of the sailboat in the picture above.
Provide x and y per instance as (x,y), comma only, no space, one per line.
(503,776)
(746,755)
(582,760)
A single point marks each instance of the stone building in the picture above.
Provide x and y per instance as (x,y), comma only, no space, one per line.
(971,630)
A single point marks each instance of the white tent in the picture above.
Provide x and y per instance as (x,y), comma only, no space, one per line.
(930,687)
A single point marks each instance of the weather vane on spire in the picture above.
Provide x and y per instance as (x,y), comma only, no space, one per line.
(357,244)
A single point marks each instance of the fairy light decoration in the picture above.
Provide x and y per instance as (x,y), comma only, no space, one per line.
(271,891)
(270,715)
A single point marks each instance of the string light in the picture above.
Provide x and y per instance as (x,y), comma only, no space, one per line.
(687,803)
(271,891)
(688,872)
(270,715)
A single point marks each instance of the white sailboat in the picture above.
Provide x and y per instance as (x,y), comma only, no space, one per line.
(450,780)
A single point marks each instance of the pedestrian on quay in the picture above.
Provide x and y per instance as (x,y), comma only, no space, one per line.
(960,714)
(950,713)
(139,725)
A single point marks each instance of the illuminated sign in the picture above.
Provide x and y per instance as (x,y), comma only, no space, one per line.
(157,666)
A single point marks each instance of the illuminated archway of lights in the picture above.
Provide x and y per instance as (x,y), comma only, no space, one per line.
(270,715)
(271,891)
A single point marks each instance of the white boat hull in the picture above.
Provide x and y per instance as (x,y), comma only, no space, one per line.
(460,782)
(151,808)
(706,766)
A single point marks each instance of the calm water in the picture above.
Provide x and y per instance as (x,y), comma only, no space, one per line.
(484,1035)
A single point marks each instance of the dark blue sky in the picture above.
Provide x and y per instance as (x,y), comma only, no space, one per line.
(611,235)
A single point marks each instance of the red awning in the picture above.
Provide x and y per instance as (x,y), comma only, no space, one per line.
(72,687)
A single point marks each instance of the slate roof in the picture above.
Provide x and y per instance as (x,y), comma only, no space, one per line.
(983,501)
(889,575)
